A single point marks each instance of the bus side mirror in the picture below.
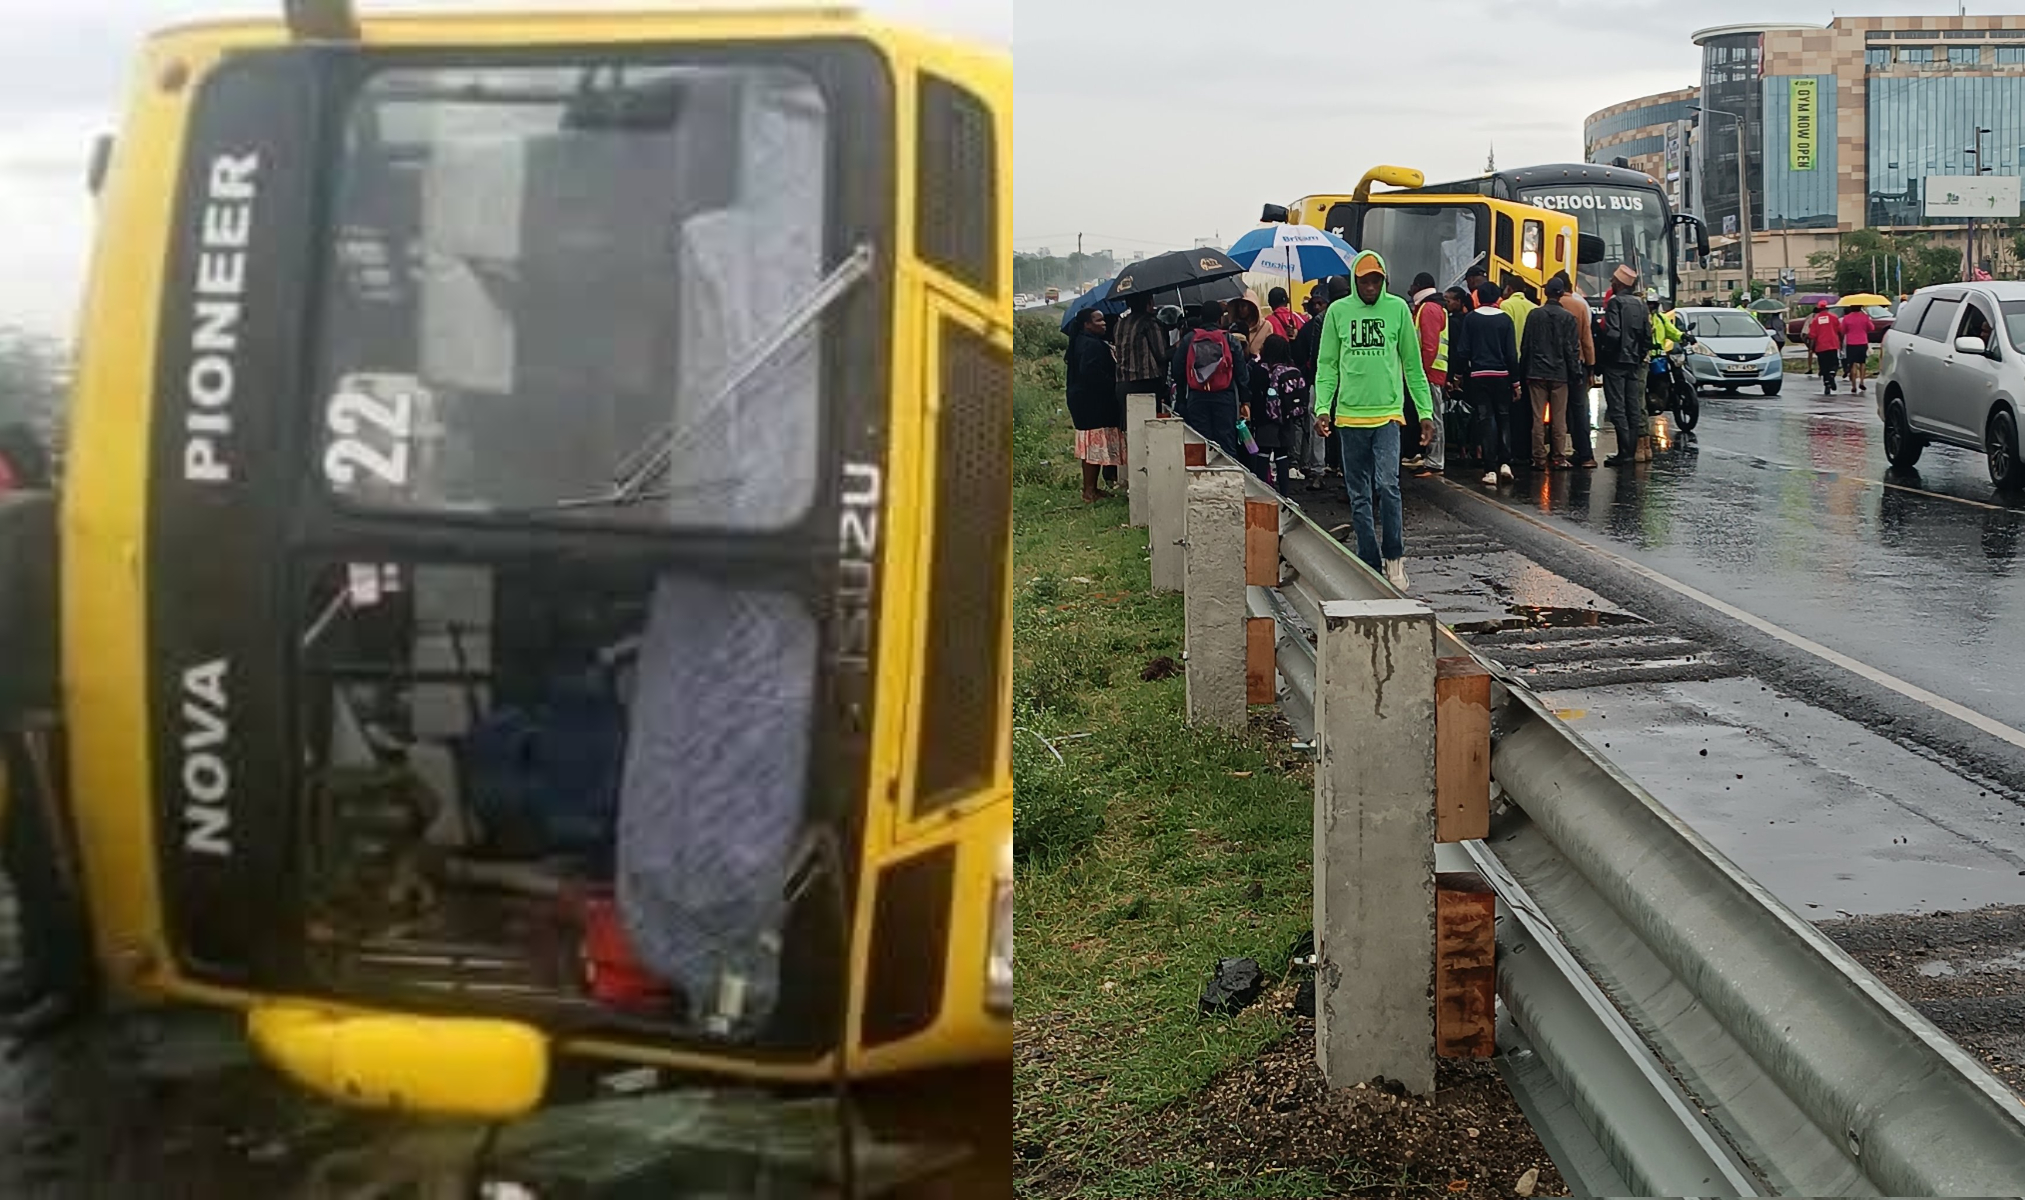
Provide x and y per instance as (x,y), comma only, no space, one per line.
(1701,239)
(1588,249)
(1274,214)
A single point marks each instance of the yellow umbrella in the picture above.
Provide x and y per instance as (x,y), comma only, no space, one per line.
(1862,299)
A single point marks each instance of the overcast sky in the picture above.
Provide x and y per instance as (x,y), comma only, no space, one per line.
(1116,100)
(63,69)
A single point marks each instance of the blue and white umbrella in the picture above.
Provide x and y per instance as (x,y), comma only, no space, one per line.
(1294,253)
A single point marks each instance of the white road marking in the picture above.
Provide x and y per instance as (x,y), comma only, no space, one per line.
(1838,476)
(1911,691)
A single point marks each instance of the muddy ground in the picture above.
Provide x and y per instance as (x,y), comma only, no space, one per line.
(1469,1139)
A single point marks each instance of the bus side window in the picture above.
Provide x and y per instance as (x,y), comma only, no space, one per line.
(1504,238)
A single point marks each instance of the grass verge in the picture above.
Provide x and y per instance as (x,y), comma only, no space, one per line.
(1148,850)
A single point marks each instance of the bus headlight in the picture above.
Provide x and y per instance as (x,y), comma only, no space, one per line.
(998,981)
(1529,246)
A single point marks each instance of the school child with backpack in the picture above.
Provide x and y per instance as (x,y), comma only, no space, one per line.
(1279,409)
(1210,372)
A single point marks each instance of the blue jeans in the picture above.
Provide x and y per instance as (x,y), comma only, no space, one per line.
(1371,458)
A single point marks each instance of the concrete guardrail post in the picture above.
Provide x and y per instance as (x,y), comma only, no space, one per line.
(1166,499)
(1262,570)
(1214,601)
(1140,408)
(1374,881)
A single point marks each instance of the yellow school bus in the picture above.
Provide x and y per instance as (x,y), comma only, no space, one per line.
(1443,235)
(534,548)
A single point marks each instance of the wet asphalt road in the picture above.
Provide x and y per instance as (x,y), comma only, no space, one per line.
(1765,627)
(1855,797)
(1786,508)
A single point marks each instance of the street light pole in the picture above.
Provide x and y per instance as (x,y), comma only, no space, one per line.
(1970,265)
(1743,190)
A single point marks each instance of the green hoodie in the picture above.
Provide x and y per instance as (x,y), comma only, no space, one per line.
(1369,360)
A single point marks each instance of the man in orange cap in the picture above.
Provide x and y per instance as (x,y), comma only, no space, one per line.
(1367,367)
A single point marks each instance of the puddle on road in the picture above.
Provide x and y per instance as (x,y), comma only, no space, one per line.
(1543,616)
(1940,968)
(1590,665)
(1486,593)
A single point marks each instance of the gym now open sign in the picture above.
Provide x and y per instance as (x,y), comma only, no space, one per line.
(1803,117)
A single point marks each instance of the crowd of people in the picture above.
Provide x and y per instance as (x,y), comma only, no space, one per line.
(1365,385)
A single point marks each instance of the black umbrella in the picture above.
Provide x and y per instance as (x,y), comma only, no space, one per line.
(1172,270)
(1230,287)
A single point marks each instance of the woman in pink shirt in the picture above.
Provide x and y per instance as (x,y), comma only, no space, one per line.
(1857,328)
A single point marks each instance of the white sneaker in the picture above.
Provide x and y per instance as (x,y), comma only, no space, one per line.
(1294,473)
(1490,479)
(1395,573)
(1505,472)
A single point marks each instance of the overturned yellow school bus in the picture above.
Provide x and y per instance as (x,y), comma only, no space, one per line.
(535,544)
(1446,235)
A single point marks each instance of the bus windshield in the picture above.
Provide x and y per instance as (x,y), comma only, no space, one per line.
(1631,221)
(1441,239)
(537,275)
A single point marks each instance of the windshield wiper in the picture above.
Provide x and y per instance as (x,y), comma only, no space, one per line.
(613,498)
(635,471)
(1464,273)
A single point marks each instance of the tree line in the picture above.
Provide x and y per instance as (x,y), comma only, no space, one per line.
(2001,244)
(1037,273)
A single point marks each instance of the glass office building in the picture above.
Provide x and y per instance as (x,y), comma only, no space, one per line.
(1925,124)
(1843,123)
(1796,160)
(1653,134)
(1732,99)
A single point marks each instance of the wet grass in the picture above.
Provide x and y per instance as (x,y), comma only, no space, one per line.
(1148,849)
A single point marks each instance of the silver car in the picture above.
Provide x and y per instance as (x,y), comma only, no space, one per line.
(1953,372)
(1727,348)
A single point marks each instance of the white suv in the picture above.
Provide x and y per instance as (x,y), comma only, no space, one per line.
(1954,372)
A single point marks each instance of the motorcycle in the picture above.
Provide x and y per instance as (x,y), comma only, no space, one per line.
(1671,386)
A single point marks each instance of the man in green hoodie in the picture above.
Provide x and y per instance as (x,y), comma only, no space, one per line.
(1369,362)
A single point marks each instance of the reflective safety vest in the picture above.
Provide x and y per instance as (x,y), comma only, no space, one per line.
(1665,334)
(1440,362)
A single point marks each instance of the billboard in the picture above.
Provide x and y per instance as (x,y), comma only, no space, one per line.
(1802,115)
(1971,195)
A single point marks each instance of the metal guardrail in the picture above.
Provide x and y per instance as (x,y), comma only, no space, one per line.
(1697,1037)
